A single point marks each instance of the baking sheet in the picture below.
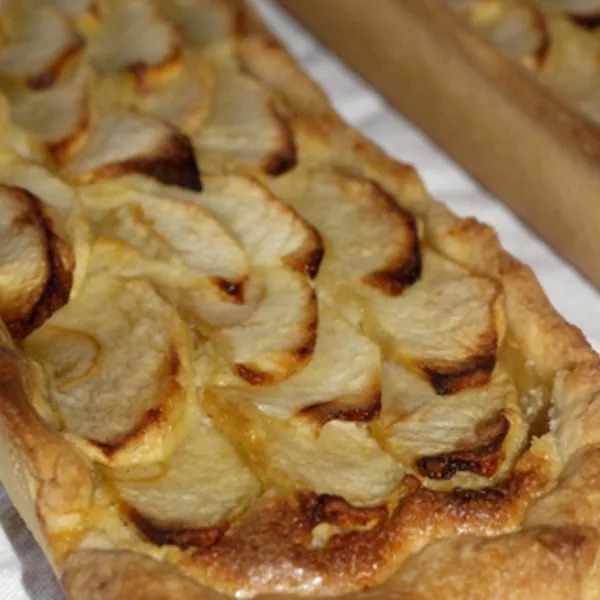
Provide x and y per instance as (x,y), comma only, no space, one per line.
(24,572)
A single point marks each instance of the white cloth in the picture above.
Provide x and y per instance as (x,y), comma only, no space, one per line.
(24,572)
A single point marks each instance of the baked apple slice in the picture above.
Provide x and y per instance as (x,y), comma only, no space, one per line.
(341,381)
(467,439)
(203,24)
(184,103)
(134,39)
(179,246)
(59,205)
(127,141)
(202,484)
(60,115)
(40,47)
(468,310)
(36,265)
(339,458)
(244,129)
(131,398)
(369,239)
(284,253)
(45,244)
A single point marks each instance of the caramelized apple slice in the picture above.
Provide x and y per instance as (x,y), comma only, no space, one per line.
(282,249)
(134,402)
(203,23)
(180,242)
(370,240)
(69,356)
(469,438)
(339,458)
(279,336)
(461,351)
(60,206)
(178,245)
(129,142)
(134,38)
(244,128)
(59,115)
(341,381)
(40,47)
(203,483)
(184,102)
(36,265)
(16,139)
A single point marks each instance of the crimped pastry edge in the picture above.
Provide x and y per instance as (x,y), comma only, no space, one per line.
(556,552)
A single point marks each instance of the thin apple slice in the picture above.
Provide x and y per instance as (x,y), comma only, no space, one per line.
(40,47)
(126,142)
(59,115)
(178,245)
(467,439)
(468,312)
(271,233)
(69,356)
(244,128)
(339,458)
(36,265)
(279,336)
(370,240)
(133,38)
(60,206)
(134,403)
(283,251)
(203,483)
(184,102)
(84,13)
(203,23)
(177,237)
(341,381)
(17,139)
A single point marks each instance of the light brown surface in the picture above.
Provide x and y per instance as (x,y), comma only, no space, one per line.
(520,140)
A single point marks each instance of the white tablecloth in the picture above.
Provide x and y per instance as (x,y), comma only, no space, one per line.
(24,572)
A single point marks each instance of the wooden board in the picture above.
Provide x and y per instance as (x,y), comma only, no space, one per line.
(518,139)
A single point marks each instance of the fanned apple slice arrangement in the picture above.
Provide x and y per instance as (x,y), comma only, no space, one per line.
(559,40)
(221,330)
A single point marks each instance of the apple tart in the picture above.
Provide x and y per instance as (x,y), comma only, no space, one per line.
(558,41)
(243,352)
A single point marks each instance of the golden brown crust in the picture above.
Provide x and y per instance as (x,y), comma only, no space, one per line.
(357,555)
(47,464)
(124,575)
